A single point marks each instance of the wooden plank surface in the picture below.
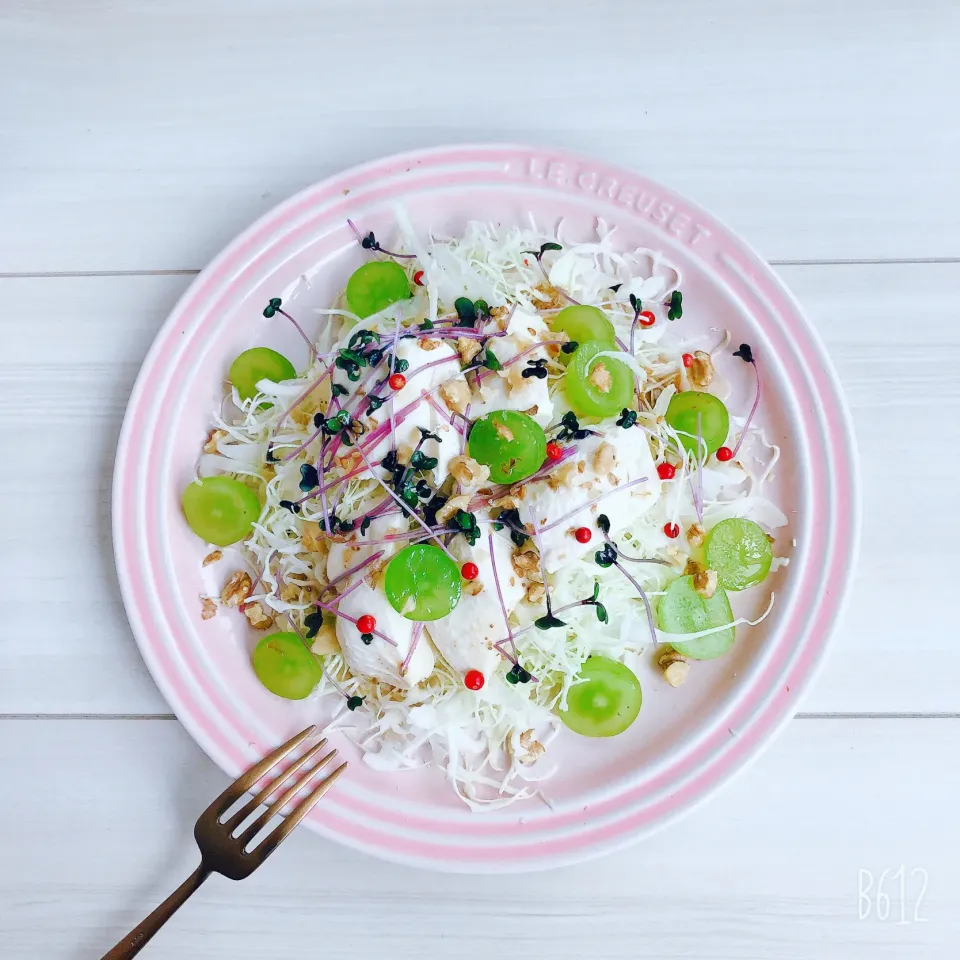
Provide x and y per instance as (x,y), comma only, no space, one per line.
(767,870)
(145,135)
(69,649)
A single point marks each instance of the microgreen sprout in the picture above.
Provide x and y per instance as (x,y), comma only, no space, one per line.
(535,368)
(369,242)
(273,308)
(609,557)
(538,256)
(745,353)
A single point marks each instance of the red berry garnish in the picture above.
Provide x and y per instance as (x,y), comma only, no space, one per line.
(418,278)
(687,359)
(366,623)
(646,318)
(724,454)
(671,530)
(666,471)
(474,680)
(554,451)
(469,571)
(583,534)
(397,381)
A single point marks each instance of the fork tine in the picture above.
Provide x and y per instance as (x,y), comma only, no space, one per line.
(276,837)
(271,788)
(251,831)
(243,783)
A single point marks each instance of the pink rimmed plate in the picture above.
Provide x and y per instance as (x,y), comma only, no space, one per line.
(688,741)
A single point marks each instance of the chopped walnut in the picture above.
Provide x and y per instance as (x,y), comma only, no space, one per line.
(468,473)
(514,377)
(325,642)
(208,608)
(534,749)
(695,535)
(581,466)
(312,537)
(258,617)
(705,583)
(212,558)
(446,512)
(430,344)
(473,587)
(456,395)
(526,563)
(238,588)
(503,430)
(507,503)
(468,348)
(675,668)
(535,592)
(613,480)
(210,444)
(700,372)
(564,476)
(605,459)
(532,411)
(692,568)
(601,378)
(404,453)
(549,298)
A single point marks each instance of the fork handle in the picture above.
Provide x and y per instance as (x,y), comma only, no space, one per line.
(138,937)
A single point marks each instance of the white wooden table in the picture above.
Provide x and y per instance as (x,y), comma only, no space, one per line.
(137,138)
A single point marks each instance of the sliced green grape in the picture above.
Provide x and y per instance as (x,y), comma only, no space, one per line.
(256,364)
(422,582)
(606,702)
(714,419)
(683,610)
(374,286)
(598,388)
(740,553)
(220,510)
(285,666)
(512,444)
(583,323)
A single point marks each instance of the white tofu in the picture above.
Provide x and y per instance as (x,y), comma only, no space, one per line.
(380,659)
(465,637)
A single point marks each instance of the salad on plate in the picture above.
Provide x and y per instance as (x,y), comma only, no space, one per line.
(504,477)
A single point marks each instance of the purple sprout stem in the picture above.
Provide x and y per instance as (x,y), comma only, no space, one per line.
(563,293)
(590,503)
(359,566)
(753,410)
(406,509)
(503,605)
(306,339)
(646,602)
(506,363)
(698,491)
(621,555)
(346,616)
(303,396)
(414,640)
(321,491)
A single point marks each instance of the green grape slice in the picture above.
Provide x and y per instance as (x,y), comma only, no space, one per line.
(285,666)
(422,582)
(256,364)
(606,702)
(220,510)
(740,552)
(374,286)
(512,444)
(583,323)
(597,388)
(714,420)
(683,610)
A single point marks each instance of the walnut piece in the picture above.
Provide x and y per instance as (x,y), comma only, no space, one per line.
(700,372)
(705,583)
(564,476)
(468,473)
(605,459)
(212,558)
(695,535)
(534,749)
(535,592)
(258,617)
(312,537)
(447,511)
(210,444)
(503,430)
(468,348)
(526,563)
(325,642)
(601,378)
(238,588)
(473,587)
(429,344)
(456,395)
(675,668)
(208,608)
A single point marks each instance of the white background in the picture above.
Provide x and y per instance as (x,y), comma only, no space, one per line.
(137,138)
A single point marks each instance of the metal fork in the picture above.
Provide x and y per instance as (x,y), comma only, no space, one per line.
(221,851)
